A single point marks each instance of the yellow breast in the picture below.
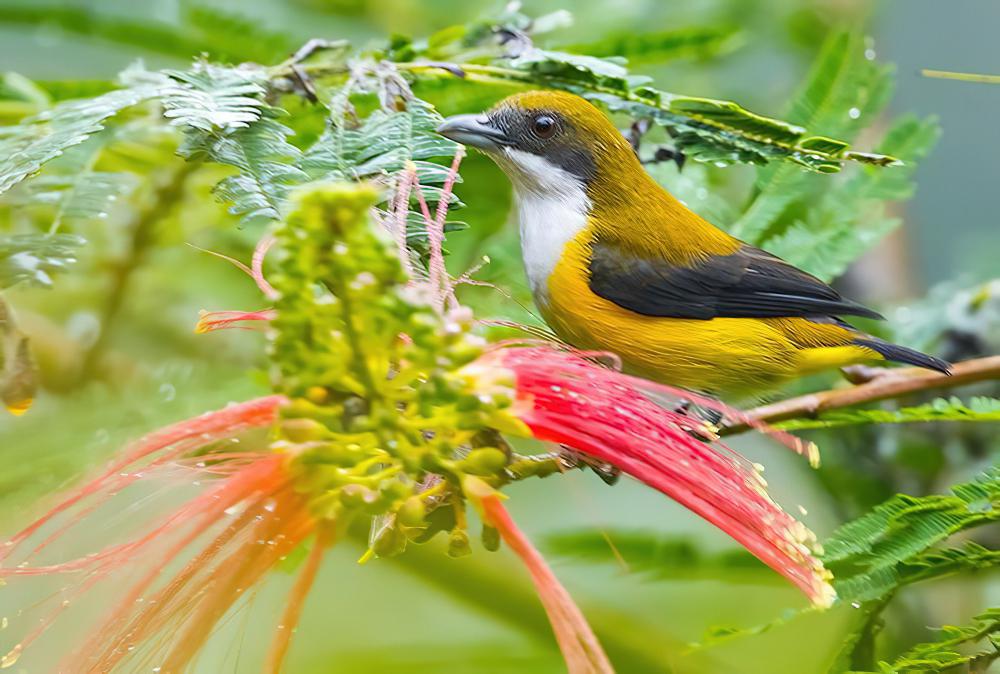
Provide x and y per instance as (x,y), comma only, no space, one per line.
(725,356)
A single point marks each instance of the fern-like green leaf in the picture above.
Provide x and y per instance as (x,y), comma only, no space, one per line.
(34,258)
(70,189)
(851,218)
(936,563)
(975,645)
(213,98)
(869,555)
(979,408)
(708,130)
(267,165)
(76,196)
(842,93)
(381,147)
(226,120)
(26,147)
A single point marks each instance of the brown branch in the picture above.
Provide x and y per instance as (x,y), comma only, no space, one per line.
(888,384)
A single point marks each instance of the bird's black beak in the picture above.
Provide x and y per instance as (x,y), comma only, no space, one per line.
(473,130)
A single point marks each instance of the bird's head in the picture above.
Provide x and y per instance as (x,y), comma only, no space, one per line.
(546,141)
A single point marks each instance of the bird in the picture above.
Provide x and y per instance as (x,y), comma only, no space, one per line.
(616,263)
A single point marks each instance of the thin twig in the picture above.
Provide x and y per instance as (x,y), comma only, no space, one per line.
(964,77)
(893,384)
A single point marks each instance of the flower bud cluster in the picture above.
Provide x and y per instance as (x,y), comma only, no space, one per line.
(385,419)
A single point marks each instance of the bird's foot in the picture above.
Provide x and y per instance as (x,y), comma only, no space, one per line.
(709,415)
(604,470)
(560,461)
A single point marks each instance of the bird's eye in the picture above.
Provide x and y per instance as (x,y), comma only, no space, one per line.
(543,126)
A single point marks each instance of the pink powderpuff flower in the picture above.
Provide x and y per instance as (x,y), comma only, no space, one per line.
(565,398)
(245,517)
(175,575)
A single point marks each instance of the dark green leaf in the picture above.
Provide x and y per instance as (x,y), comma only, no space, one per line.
(851,217)
(708,130)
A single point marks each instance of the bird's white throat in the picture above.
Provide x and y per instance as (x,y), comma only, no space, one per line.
(552,208)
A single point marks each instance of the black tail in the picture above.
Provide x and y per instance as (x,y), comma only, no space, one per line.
(901,354)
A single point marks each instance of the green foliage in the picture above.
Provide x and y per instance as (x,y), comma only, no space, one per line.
(875,553)
(823,227)
(200,30)
(72,189)
(851,218)
(228,116)
(264,158)
(695,42)
(721,132)
(213,99)
(27,147)
(841,79)
(655,555)
(382,145)
(955,647)
(979,408)
(35,258)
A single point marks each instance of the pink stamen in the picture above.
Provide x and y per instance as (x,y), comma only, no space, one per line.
(204,429)
(566,399)
(400,211)
(223,320)
(439,278)
(257,266)
(579,645)
(233,478)
(296,601)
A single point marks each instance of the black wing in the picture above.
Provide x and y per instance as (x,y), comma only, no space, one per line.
(749,283)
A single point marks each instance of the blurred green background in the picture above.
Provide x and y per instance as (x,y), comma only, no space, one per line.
(116,366)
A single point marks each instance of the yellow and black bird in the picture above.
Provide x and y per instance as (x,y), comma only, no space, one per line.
(617,263)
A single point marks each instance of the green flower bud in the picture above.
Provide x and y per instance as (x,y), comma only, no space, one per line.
(358,496)
(303,430)
(484,461)
(468,403)
(412,512)
(458,544)
(490,538)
